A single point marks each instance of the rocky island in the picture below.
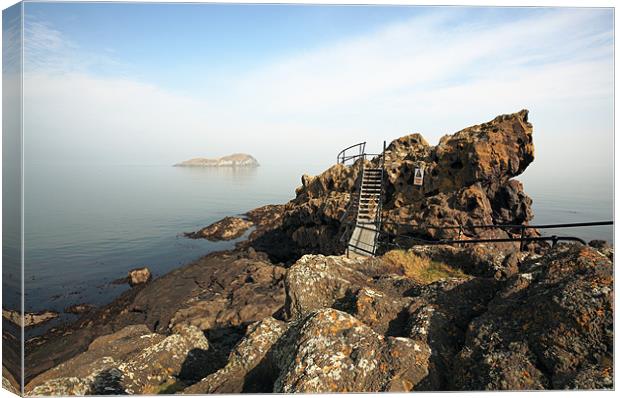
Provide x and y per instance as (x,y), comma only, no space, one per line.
(234,160)
(286,311)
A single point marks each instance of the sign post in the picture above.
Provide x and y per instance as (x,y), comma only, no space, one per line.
(418,176)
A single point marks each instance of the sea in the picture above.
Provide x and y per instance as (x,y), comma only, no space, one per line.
(86,226)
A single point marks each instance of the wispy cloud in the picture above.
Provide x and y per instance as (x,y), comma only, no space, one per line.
(48,51)
(435,74)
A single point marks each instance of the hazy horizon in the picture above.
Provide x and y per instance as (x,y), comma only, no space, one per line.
(120,83)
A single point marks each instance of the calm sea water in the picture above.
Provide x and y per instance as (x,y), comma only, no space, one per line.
(86,226)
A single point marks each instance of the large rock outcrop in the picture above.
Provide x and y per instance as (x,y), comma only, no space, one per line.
(468,181)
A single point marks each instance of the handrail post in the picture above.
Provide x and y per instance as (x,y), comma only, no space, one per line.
(522,236)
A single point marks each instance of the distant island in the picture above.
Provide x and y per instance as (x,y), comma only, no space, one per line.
(234,160)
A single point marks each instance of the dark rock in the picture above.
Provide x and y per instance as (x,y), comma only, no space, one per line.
(482,260)
(550,328)
(598,244)
(250,365)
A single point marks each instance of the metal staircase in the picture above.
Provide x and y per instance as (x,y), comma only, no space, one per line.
(366,203)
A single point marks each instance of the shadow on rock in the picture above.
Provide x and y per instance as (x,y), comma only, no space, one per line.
(108,382)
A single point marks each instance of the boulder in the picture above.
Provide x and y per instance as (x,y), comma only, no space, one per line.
(331,351)
(316,282)
(551,327)
(138,276)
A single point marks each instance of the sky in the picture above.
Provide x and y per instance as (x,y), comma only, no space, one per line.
(294,84)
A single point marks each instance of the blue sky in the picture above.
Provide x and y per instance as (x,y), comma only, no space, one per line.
(157,83)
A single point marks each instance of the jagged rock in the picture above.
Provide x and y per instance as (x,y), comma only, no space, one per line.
(439,314)
(468,181)
(551,327)
(316,282)
(130,361)
(384,313)
(331,351)
(138,276)
(227,228)
(250,367)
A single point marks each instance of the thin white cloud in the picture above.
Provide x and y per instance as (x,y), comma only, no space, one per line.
(429,74)
(48,51)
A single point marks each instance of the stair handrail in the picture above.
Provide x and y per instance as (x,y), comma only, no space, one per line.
(378,218)
(342,157)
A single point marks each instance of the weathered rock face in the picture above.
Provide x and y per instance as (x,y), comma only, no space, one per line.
(551,327)
(130,361)
(331,351)
(352,325)
(468,181)
(250,366)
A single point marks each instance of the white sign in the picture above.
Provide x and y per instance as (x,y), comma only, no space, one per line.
(418,176)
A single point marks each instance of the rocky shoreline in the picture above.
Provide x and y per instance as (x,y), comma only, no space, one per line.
(285,311)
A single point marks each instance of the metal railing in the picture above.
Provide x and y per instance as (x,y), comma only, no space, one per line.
(523,239)
(358,150)
(353,153)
